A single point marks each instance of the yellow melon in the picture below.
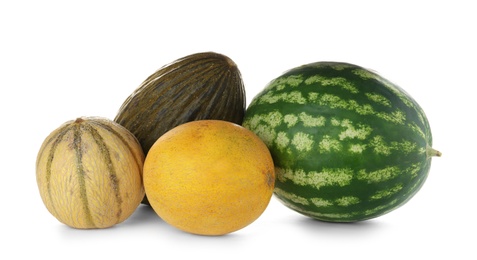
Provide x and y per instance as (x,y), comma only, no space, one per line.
(209,177)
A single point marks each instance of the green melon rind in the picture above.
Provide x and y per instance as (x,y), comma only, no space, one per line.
(348,145)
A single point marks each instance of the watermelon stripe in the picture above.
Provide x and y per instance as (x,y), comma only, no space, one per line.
(291,196)
(379,99)
(380,194)
(326,177)
(336,217)
(384,174)
(335,102)
(266,124)
(332,81)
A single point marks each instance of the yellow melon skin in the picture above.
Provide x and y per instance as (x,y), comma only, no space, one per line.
(89,173)
(209,177)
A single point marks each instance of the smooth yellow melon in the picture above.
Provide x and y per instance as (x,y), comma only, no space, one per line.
(209,177)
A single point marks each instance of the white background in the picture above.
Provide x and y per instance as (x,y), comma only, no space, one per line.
(60,60)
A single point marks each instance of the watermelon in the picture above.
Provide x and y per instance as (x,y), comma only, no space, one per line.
(348,144)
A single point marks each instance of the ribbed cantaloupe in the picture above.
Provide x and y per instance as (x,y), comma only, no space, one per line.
(89,173)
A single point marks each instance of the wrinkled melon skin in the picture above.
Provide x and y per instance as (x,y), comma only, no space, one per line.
(199,86)
(348,145)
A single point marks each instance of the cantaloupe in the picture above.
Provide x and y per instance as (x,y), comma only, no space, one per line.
(89,173)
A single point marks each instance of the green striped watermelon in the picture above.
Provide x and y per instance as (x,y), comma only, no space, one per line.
(348,145)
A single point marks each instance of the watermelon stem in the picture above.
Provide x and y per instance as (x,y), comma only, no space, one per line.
(432,152)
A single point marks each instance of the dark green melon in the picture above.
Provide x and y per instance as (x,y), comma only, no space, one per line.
(199,86)
(348,145)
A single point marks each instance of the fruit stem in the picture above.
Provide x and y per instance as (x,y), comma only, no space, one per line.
(230,62)
(432,152)
(79,120)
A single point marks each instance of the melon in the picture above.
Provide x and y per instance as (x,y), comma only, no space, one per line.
(348,144)
(89,173)
(195,87)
